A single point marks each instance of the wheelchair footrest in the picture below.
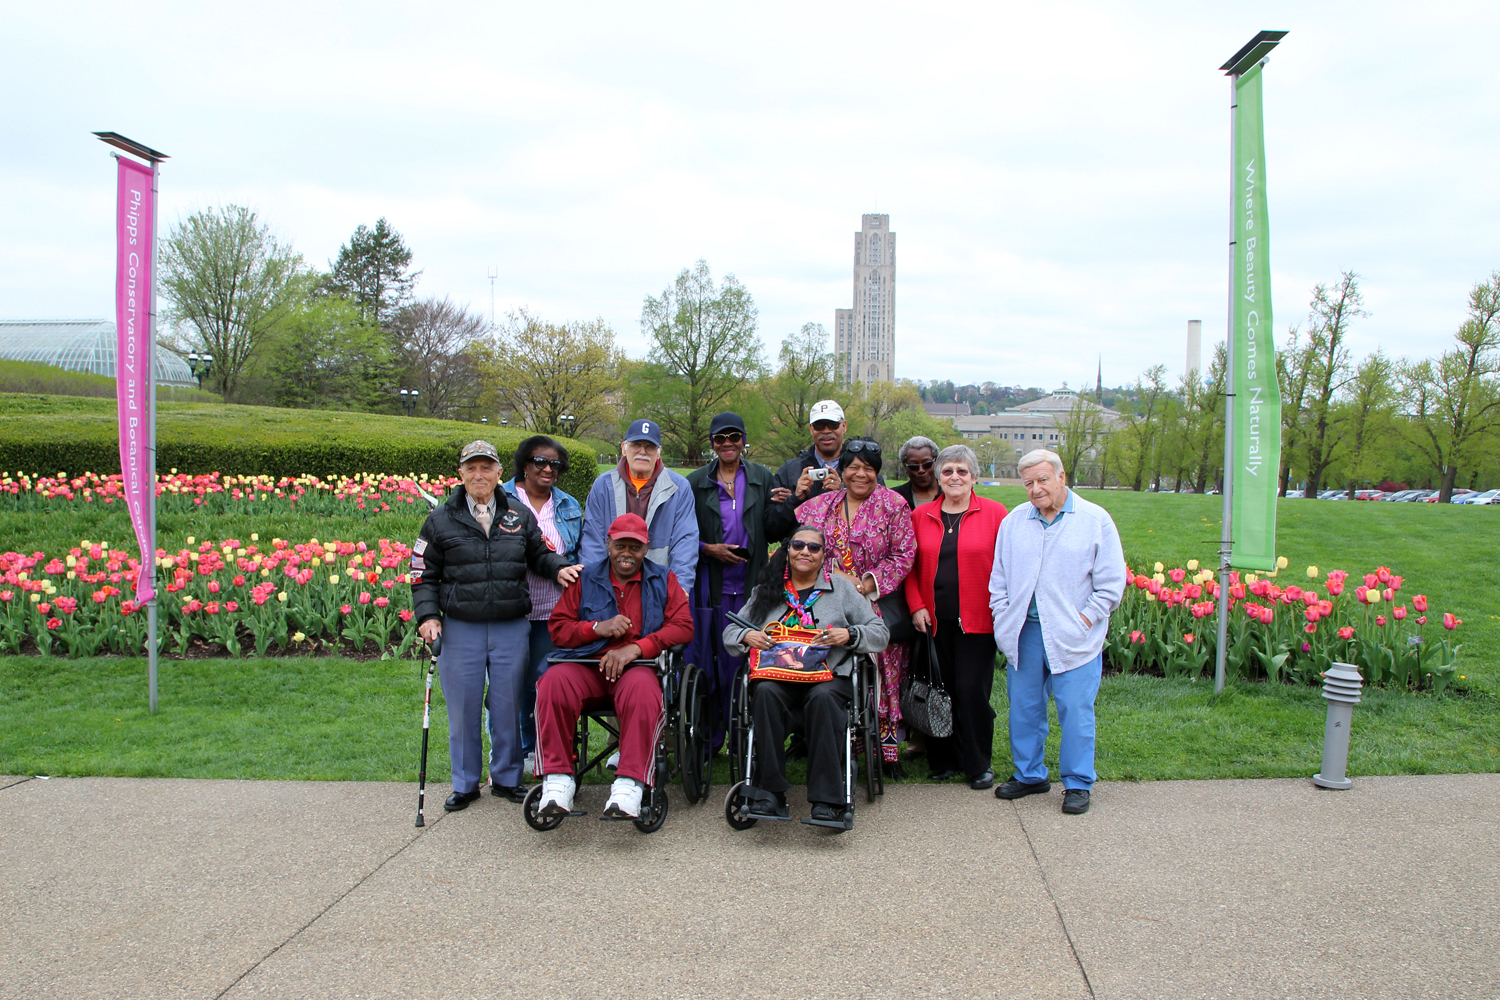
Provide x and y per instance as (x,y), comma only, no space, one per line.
(618,819)
(847,823)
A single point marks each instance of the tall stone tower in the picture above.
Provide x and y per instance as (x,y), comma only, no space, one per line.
(865,337)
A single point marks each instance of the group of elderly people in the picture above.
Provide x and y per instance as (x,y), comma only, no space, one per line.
(519,580)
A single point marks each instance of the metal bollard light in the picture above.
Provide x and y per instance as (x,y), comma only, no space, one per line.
(1341,686)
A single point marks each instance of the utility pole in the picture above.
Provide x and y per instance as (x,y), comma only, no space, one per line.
(493,274)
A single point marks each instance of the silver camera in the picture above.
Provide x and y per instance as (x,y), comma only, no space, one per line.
(819,473)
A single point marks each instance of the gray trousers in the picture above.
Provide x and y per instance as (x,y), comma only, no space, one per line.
(474,652)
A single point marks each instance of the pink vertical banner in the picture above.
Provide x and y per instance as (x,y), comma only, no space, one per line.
(134,384)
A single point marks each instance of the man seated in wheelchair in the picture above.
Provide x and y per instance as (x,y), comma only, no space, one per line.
(801,667)
(621,609)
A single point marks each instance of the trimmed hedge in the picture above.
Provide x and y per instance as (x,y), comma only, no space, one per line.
(36,377)
(51,434)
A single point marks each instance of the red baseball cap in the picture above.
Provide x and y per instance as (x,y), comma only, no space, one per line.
(630,526)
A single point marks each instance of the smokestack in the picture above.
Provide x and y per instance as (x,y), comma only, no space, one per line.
(1194,349)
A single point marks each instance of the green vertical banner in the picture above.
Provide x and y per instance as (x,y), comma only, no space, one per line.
(1257,399)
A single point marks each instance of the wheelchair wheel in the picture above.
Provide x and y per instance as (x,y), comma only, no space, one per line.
(655,813)
(732,804)
(533,819)
(869,709)
(694,749)
(737,733)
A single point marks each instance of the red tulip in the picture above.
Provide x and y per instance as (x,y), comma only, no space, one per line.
(212,607)
(1371,580)
(1177,575)
(346,609)
(1312,614)
(1380,620)
(1310,627)
(406,615)
(44,608)
(1335,587)
(1450,622)
(1388,594)
(239,581)
(1346,632)
(1422,620)
(1383,574)
(128,608)
(232,606)
(1399,612)
(1420,603)
(1188,638)
(1237,591)
(54,622)
(1140,582)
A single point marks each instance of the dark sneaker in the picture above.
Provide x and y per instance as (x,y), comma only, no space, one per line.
(982,781)
(1014,789)
(825,813)
(1076,801)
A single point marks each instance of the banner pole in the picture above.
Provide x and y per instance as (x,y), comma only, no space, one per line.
(151,644)
(1226,537)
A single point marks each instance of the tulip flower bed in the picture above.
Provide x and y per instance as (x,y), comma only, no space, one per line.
(232,595)
(1280,631)
(362,496)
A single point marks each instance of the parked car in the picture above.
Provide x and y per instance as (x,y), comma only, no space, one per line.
(1339,495)
(1293,494)
(1479,498)
(1418,496)
(1401,496)
(1457,496)
(1368,494)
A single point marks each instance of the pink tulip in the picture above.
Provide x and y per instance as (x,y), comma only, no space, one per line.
(44,608)
(54,623)
(1422,620)
(406,615)
(1388,594)
(1346,632)
(1450,622)
(1177,575)
(381,602)
(1188,638)
(232,606)
(1310,627)
(1380,620)
(1335,587)
(212,607)
(1420,603)
(1307,646)
(346,609)
(1371,580)
(213,586)
(1383,574)
(364,598)
(1312,614)
(1400,612)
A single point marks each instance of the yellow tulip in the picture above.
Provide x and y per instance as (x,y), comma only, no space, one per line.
(1158,568)
(72,560)
(298,637)
(255,536)
(334,578)
(239,552)
(316,562)
(1192,564)
(35,598)
(1281,562)
(265,572)
(190,539)
(1251,578)
(281,597)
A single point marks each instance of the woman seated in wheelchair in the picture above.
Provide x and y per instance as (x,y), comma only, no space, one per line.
(622,609)
(801,678)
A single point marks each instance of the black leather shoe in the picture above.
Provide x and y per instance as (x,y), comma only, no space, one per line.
(1076,801)
(1014,789)
(945,775)
(825,813)
(515,793)
(983,781)
(460,800)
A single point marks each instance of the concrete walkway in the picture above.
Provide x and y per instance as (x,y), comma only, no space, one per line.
(119,888)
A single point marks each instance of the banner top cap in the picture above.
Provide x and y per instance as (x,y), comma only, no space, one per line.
(1252,52)
(131,146)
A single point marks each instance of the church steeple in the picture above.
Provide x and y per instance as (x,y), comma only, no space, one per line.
(1099,382)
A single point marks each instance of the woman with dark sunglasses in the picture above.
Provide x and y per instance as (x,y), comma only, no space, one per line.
(793,589)
(870,542)
(540,462)
(918,458)
(731,497)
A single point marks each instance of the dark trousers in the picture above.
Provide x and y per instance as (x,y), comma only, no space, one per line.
(821,711)
(708,652)
(966,664)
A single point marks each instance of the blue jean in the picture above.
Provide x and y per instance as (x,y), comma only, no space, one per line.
(541,645)
(1029,685)
(473,653)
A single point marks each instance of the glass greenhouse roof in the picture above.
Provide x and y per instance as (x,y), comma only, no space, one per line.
(80,345)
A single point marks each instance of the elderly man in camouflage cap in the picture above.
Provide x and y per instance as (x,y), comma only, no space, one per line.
(471,560)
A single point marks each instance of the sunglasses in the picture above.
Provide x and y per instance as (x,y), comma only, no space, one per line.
(825,425)
(919,466)
(797,545)
(732,437)
(542,463)
(950,471)
(855,447)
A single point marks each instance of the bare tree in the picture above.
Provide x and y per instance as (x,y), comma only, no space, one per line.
(1079,435)
(228,282)
(1454,402)
(1328,324)
(1294,366)
(435,340)
(804,375)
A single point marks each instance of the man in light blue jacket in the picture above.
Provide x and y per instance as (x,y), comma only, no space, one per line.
(641,485)
(1059,572)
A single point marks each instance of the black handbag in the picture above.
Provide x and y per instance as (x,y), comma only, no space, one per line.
(896,615)
(925,705)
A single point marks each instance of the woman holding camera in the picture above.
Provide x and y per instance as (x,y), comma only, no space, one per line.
(871,544)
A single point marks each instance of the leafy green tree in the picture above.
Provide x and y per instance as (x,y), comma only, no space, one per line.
(996,457)
(1208,438)
(1454,401)
(1140,432)
(1368,412)
(804,374)
(1078,435)
(373,270)
(542,372)
(703,347)
(228,282)
(1294,364)
(1332,310)
(325,356)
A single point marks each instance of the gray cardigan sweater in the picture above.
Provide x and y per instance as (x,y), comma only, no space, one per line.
(840,607)
(1076,567)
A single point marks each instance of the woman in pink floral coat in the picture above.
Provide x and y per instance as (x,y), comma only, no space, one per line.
(868,531)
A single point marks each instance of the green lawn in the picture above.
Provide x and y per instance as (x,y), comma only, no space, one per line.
(333,718)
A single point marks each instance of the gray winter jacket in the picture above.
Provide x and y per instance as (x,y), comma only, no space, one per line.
(841,606)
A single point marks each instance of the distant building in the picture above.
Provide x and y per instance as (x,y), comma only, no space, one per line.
(947,411)
(864,338)
(1032,425)
(81,345)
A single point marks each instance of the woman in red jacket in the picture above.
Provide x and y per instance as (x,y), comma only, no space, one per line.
(949,591)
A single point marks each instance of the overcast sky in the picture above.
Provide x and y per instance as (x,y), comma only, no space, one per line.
(1057,175)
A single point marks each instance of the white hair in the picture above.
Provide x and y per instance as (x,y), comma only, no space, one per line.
(1037,457)
(959,453)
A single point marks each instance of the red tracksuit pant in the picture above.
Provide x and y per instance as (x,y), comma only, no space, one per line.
(566,689)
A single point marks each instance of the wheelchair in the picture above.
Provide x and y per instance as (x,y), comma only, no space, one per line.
(683,747)
(745,805)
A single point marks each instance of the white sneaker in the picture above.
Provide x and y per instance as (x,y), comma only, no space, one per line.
(614,761)
(557,795)
(624,798)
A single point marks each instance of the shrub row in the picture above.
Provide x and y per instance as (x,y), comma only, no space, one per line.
(80,435)
(37,378)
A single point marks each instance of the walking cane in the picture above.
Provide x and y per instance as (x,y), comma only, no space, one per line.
(436,645)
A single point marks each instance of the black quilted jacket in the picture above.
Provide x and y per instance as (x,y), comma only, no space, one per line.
(474,578)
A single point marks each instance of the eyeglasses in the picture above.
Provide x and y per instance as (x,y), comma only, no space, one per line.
(797,545)
(870,447)
(732,437)
(542,463)
(822,426)
(919,466)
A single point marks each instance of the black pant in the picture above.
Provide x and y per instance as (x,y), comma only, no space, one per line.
(966,664)
(821,711)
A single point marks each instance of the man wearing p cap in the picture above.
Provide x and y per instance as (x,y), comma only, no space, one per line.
(471,560)
(812,472)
